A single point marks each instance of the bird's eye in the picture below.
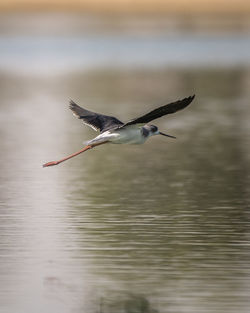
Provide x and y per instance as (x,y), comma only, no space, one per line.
(154,128)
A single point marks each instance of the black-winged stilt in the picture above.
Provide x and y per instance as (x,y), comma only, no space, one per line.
(112,130)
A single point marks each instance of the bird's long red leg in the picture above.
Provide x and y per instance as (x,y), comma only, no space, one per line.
(52,163)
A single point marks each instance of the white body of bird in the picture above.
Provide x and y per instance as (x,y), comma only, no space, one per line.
(127,135)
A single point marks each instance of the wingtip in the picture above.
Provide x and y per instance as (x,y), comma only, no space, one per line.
(71,103)
(74,108)
(190,98)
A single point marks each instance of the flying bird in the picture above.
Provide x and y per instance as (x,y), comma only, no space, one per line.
(112,130)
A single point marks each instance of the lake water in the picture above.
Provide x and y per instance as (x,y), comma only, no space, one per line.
(162,227)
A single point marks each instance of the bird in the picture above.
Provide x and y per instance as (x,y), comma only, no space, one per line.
(112,130)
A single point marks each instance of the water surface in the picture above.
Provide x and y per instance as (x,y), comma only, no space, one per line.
(162,227)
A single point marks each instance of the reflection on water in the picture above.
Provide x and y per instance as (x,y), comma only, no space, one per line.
(162,227)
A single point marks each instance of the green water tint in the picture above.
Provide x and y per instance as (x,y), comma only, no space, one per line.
(162,227)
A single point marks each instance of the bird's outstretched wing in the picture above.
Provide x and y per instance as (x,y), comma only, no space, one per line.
(96,121)
(161,111)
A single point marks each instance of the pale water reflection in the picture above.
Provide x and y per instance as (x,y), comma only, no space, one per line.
(162,227)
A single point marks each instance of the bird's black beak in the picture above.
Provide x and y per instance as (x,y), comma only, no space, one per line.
(167,135)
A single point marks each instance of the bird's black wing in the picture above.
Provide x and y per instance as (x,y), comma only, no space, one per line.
(96,121)
(161,111)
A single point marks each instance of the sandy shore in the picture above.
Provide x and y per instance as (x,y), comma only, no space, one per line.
(129,6)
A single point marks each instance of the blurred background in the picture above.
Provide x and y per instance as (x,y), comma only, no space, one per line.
(162,227)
